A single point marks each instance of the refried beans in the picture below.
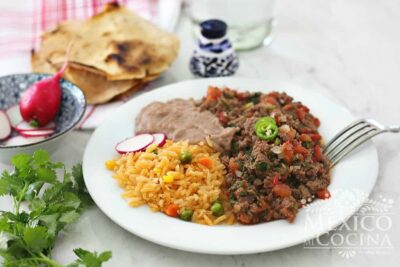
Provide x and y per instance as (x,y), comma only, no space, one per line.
(180,119)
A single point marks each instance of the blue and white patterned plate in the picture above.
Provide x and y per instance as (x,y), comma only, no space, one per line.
(73,102)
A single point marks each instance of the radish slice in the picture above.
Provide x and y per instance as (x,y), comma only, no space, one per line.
(36,133)
(14,115)
(5,126)
(134,144)
(24,126)
(159,139)
(20,140)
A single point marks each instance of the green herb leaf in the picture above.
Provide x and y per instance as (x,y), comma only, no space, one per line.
(36,238)
(20,160)
(41,157)
(91,259)
(10,184)
(69,217)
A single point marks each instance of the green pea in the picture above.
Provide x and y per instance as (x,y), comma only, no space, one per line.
(186,215)
(185,157)
(217,209)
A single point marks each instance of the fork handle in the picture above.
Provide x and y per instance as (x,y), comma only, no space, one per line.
(393,128)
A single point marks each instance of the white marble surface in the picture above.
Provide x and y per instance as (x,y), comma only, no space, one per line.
(347,49)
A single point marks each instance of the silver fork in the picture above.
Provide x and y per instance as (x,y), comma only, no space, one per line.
(353,136)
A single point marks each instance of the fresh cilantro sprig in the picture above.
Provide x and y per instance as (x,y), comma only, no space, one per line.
(28,235)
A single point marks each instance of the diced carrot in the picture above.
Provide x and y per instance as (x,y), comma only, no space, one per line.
(205,162)
(287,149)
(172,210)
(301,150)
(323,193)
(305,138)
(315,137)
(318,153)
(282,190)
(213,93)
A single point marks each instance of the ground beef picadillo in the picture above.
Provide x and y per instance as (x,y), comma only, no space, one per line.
(269,180)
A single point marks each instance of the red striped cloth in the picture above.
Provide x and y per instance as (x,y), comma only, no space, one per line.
(23,21)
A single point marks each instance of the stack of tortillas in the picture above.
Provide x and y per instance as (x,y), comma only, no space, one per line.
(111,55)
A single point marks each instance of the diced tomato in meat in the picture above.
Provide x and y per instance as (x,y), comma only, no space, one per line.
(305,138)
(291,134)
(240,95)
(305,108)
(318,153)
(273,94)
(301,113)
(222,117)
(233,165)
(287,107)
(316,122)
(270,100)
(315,137)
(323,194)
(282,190)
(213,93)
(301,150)
(287,149)
(276,180)
(306,130)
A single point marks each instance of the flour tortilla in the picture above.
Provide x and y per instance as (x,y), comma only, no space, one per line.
(122,45)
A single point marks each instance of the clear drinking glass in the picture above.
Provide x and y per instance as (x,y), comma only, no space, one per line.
(249,22)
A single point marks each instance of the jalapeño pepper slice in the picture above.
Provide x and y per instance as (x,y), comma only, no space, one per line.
(266,128)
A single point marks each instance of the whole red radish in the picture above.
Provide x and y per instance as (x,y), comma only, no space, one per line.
(40,104)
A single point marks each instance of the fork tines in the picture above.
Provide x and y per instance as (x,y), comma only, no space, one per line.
(350,138)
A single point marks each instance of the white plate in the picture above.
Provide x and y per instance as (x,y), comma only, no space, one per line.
(352,179)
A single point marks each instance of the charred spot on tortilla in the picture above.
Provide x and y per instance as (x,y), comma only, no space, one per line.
(115,57)
(124,57)
(112,5)
(120,61)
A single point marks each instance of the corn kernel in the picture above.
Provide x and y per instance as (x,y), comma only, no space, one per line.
(110,164)
(168,179)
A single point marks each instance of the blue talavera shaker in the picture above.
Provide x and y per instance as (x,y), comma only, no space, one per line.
(213,55)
